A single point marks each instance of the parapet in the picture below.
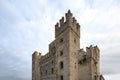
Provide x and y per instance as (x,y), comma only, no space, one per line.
(91,51)
(68,22)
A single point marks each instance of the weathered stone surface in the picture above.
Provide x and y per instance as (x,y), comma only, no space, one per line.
(65,60)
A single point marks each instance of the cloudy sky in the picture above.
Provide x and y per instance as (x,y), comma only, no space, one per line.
(28,25)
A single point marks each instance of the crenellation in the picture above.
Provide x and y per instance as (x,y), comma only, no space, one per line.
(89,50)
(59,30)
(56,27)
(74,22)
(97,49)
(62,22)
(78,27)
(92,51)
(70,22)
(68,16)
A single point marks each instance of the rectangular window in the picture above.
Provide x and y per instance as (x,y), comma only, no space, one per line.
(46,72)
(52,70)
(95,77)
(41,73)
(61,53)
(52,62)
(61,77)
(61,65)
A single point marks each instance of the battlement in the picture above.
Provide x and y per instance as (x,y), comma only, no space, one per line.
(89,49)
(68,22)
(91,52)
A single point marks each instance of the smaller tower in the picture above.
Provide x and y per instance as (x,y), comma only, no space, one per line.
(35,65)
(89,63)
(93,53)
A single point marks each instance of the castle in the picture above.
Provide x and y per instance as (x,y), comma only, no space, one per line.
(65,59)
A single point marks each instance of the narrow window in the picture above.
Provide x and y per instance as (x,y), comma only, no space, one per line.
(46,72)
(61,53)
(52,70)
(74,40)
(95,77)
(41,73)
(52,62)
(75,65)
(61,77)
(61,65)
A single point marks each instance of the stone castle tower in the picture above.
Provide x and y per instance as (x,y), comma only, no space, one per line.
(65,60)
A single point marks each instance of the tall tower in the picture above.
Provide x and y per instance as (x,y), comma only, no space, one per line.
(67,38)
